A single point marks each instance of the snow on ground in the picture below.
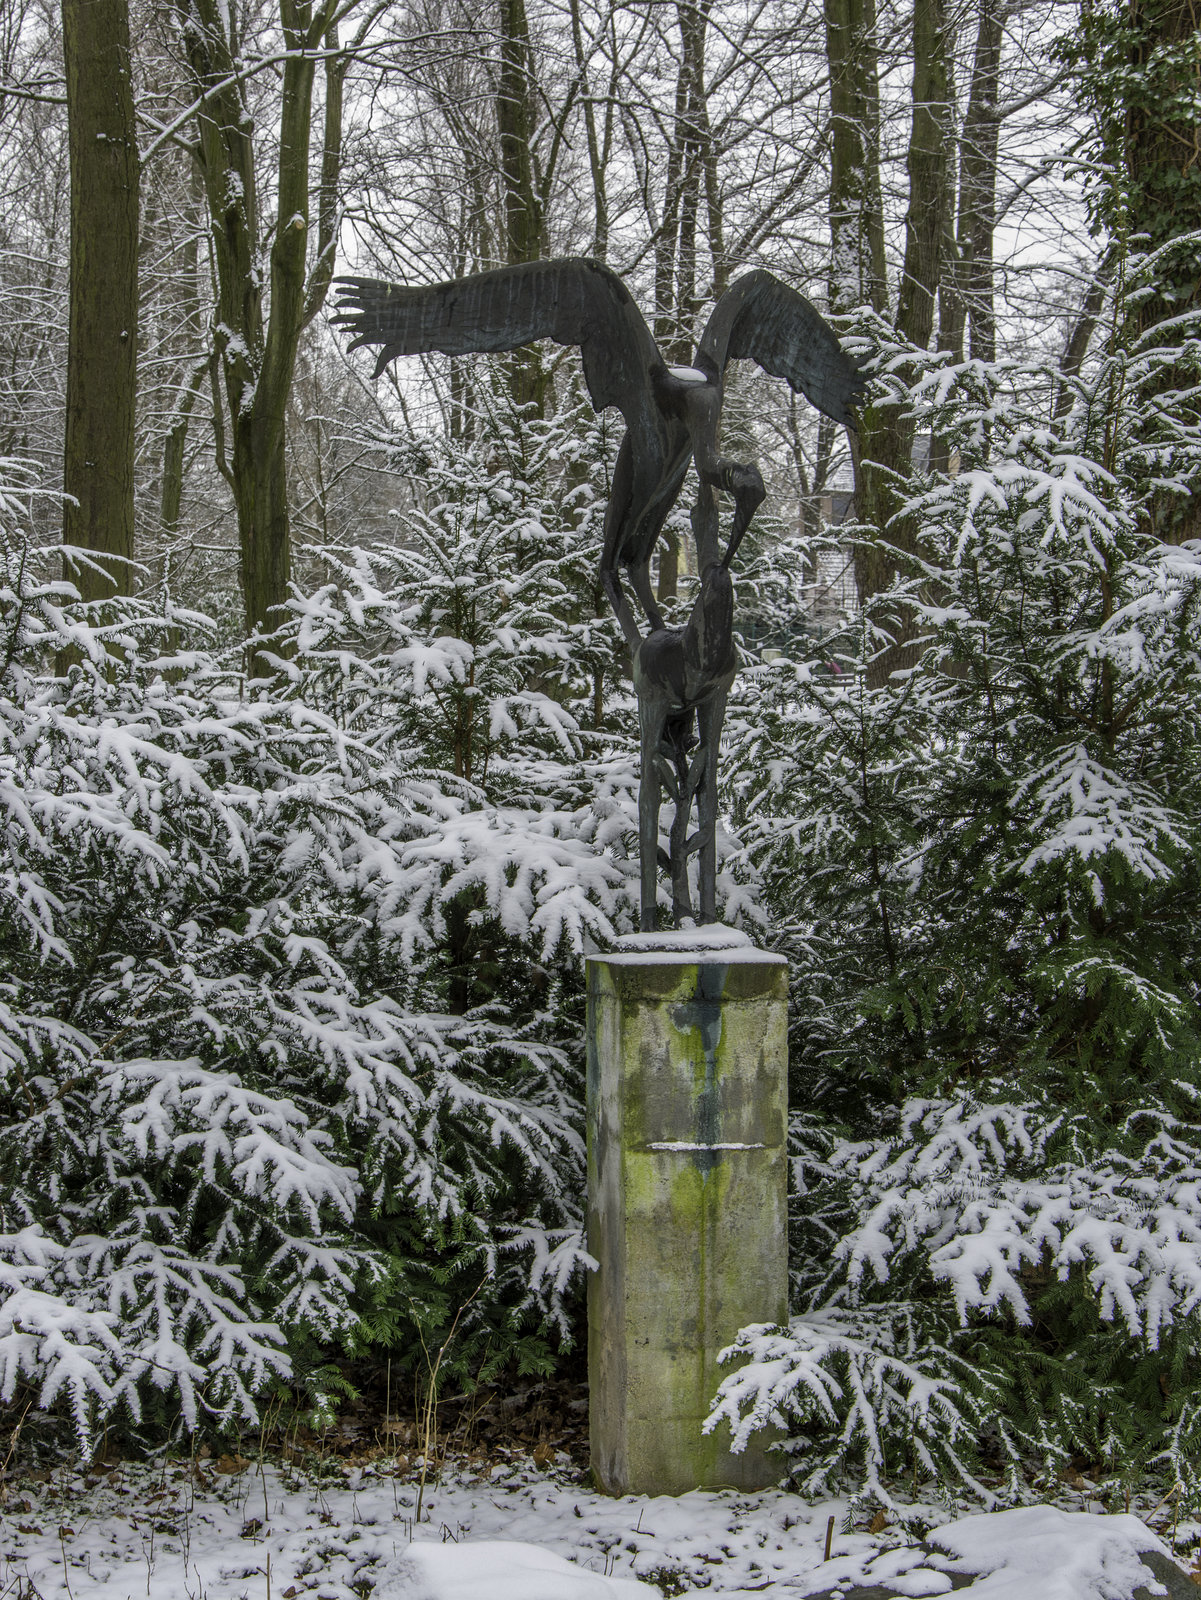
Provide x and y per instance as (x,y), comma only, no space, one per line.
(262,1533)
(1055,1554)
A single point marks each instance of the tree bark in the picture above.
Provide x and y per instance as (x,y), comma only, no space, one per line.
(692,175)
(1163,143)
(516,120)
(257,346)
(885,442)
(1076,348)
(98,459)
(696,148)
(1163,184)
(667,235)
(967,271)
(192,377)
(857,274)
(597,151)
(929,145)
(978,190)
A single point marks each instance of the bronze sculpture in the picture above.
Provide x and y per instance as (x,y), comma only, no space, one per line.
(681,675)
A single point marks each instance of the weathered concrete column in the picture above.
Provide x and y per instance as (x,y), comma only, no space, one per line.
(687,1110)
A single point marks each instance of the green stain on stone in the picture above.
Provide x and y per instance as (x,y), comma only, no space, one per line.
(700,1018)
(690,1238)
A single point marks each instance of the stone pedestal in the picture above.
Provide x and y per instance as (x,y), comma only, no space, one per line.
(687,1112)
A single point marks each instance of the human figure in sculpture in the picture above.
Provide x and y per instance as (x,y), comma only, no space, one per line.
(672,414)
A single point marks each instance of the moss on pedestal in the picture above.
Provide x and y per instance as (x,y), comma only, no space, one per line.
(686,1162)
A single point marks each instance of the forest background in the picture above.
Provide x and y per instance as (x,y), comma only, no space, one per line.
(317,769)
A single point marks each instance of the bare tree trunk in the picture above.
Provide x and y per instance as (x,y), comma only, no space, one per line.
(257,346)
(1163,173)
(929,147)
(102,354)
(667,235)
(967,272)
(1163,143)
(515,119)
(191,381)
(692,168)
(812,485)
(696,149)
(1085,325)
(978,189)
(885,443)
(597,151)
(857,275)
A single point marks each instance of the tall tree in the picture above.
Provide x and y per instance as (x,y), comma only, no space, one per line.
(98,459)
(516,122)
(857,275)
(967,286)
(271,280)
(598,130)
(1143,81)
(885,442)
(690,155)
(1163,143)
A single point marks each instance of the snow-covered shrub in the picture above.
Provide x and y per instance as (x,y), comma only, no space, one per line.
(882,1386)
(985,872)
(287,1044)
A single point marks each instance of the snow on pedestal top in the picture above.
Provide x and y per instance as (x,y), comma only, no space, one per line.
(685,946)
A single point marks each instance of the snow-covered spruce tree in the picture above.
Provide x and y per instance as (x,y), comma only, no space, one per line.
(985,874)
(471,655)
(253,1108)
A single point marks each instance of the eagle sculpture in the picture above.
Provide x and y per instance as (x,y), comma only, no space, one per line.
(672,416)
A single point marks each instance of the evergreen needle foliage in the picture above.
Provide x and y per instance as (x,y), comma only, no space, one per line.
(985,875)
(289,1031)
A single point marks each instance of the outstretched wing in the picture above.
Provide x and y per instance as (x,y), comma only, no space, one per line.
(571,300)
(761,319)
